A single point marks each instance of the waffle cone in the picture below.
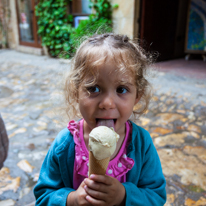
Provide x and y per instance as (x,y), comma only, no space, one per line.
(98,167)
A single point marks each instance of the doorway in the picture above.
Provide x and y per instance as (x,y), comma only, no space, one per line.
(27,23)
(163,26)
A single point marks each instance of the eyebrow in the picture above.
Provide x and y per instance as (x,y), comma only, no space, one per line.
(93,81)
(125,82)
(90,81)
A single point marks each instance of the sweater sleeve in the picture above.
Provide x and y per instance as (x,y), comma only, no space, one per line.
(4,142)
(149,189)
(51,188)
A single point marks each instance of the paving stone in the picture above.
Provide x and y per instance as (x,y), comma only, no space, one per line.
(35,115)
(171,139)
(176,120)
(25,166)
(8,202)
(5,92)
(7,182)
(188,167)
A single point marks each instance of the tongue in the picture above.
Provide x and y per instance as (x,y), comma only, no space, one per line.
(105,122)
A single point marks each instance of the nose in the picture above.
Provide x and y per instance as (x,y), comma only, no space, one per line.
(107,102)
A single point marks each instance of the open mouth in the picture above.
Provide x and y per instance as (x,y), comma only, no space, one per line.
(106,122)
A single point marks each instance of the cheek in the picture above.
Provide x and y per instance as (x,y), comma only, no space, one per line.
(127,108)
(86,106)
(82,98)
(84,110)
(83,105)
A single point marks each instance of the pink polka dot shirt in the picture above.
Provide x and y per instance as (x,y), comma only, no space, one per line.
(118,166)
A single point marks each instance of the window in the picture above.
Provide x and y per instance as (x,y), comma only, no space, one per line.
(81,7)
(80,10)
(27,23)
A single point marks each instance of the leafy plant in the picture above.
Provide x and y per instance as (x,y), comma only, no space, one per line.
(87,28)
(103,8)
(99,22)
(54,25)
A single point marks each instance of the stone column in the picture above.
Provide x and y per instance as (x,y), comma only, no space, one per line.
(125,17)
(13,26)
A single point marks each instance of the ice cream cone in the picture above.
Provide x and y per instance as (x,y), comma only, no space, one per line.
(98,167)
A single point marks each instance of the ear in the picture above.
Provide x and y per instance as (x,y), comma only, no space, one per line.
(137,98)
(136,106)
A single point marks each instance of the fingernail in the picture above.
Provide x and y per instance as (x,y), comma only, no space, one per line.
(92,176)
(85,187)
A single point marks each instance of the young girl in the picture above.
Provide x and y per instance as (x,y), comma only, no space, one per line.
(106,81)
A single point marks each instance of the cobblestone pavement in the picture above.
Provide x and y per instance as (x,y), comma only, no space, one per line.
(176,121)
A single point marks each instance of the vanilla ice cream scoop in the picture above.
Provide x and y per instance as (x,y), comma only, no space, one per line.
(102,142)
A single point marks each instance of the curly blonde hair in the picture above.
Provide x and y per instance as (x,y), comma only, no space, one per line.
(94,52)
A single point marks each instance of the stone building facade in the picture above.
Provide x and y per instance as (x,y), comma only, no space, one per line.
(123,19)
(160,25)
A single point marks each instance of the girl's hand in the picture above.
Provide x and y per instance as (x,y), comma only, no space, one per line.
(104,190)
(78,197)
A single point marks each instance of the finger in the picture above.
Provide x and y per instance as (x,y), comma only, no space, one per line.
(95,194)
(82,184)
(94,201)
(98,186)
(105,179)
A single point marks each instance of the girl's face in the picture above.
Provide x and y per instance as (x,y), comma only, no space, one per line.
(112,97)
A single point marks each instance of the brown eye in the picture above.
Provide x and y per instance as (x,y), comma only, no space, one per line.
(122,90)
(93,89)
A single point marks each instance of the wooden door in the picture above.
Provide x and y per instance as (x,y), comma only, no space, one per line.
(27,23)
(158,21)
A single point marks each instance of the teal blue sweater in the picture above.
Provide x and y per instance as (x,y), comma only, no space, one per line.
(145,184)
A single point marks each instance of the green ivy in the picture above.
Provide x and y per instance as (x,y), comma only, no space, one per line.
(88,28)
(103,8)
(55,25)
(98,23)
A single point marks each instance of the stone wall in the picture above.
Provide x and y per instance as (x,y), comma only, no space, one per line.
(9,20)
(124,20)
(5,27)
(13,26)
(125,17)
